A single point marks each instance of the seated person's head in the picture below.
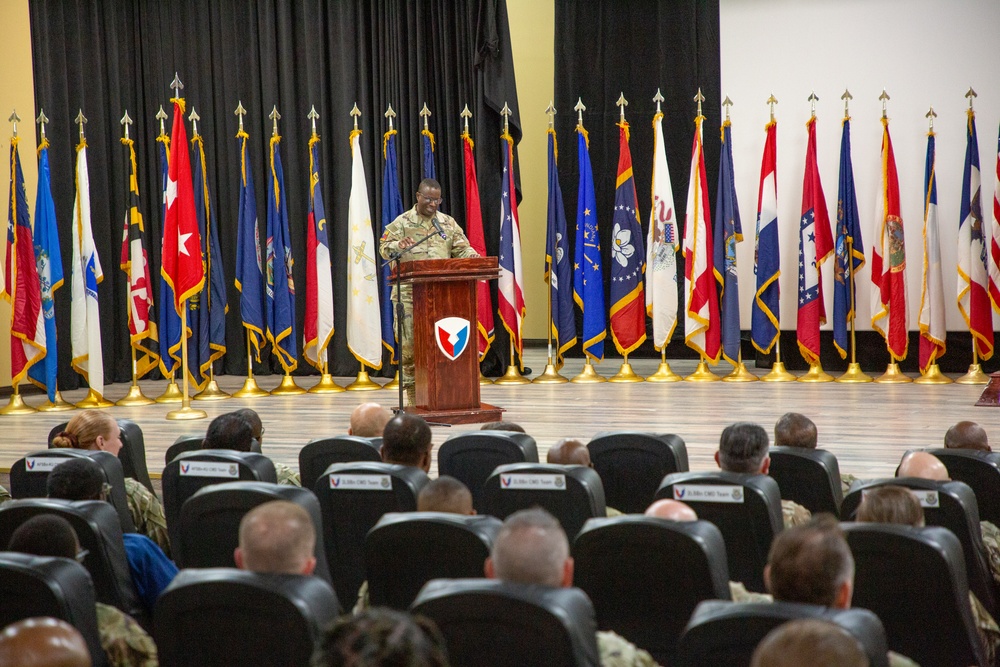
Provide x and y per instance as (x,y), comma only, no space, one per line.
(229,431)
(502,426)
(76,479)
(43,642)
(809,641)
(253,419)
(531,548)
(811,564)
(795,430)
(90,429)
(45,535)
(967,435)
(743,448)
(368,420)
(569,452)
(674,510)
(924,466)
(406,441)
(445,494)
(378,637)
(890,504)
(277,537)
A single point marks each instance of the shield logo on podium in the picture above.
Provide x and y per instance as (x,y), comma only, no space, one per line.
(452,335)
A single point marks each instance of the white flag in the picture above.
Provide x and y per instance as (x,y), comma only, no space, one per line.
(364,325)
(88,357)
(931,319)
(661,247)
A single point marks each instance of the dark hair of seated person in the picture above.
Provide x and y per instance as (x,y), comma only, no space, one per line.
(45,535)
(76,479)
(229,431)
(381,637)
(502,426)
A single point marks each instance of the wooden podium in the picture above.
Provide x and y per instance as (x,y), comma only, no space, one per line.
(445,337)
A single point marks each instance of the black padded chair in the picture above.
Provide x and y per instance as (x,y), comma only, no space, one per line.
(97,528)
(914,580)
(210,522)
(223,616)
(726,633)
(746,509)
(490,623)
(406,550)
(809,477)
(321,453)
(981,471)
(632,464)
(29,476)
(132,454)
(472,457)
(191,471)
(184,443)
(646,575)
(352,498)
(572,494)
(951,505)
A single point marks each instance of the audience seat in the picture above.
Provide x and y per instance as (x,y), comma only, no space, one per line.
(32,586)
(352,498)
(809,477)
(321,453)
(747,510)
(632,464)
(726,633)
(646,575)
(184,443)
(209,525)
(491,623)
(406,550)
(472,457)
(914,580)
(981,471)
(132,454)
(216,617)
(572,493)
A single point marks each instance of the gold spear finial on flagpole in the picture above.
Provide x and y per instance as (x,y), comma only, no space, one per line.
(971,95)
(15,119)
(177,86)
(42,120)
(313,116)
(240,112)
(659,99)
(506,112)
(579,109)
(125,122)
(621,104)
(194,118)
(425,113)
(699,98)
(466,115)
(357,112)
(390,114)
(930,116)
(847,97)
(161,116)
(81,120)
(551,112)
(275,117)
(727,103)
(771,101)
(812,99)
(884,97)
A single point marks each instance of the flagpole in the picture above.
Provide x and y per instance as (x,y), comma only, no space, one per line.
(185,412)
(250,387)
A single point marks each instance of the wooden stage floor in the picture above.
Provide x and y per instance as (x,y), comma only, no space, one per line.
(867,426)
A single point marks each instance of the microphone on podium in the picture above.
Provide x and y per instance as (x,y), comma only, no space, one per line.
(437,226)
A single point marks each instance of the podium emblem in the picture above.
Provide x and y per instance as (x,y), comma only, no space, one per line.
(452,335)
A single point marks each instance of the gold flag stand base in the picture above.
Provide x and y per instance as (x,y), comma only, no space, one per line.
(59,405)
(172,394)
(483,380)
(664,374)
(134,397)
(186,413)
(854,374)
(588,375)
(362,383)
(816,374)
(393,384)
(702,374)
(287,387)
(779,374)
(740,374)
(211,393)
(625,374)
(326,385)
(94,400)
(933,376)
(974,376)
(893,375)
(550,376)
(512,376)
(251,389)
(17,406)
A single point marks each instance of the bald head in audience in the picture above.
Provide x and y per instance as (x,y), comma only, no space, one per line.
(569,452)
(406,441)
(811,564)
(445,494)
(795,430)
(673,510)
(891,504)
(809,641)
(967,435)
(531,548)
(924,466)
(368,420)
(277,537)
(43,642)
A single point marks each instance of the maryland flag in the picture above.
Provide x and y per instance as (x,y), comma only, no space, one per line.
(849,248)
(557,266)
(477,239)
(973,251)
(628,300)
(318,326)
(932,316)
(701,302)
(764,317)
(279,286)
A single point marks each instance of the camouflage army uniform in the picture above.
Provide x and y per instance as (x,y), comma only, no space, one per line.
(986,628)
(793,514)
(416,227)
(991,540)
(4,495)
(616,651)
(846,480)
(147,513)
(286,475)
(123,640)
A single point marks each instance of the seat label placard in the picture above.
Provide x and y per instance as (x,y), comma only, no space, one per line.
(43,463)
(533,482)
(210,469)
(355,482)
(708,493)
(927,499)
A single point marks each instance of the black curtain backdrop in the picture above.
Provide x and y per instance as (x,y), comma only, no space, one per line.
(108,56)
(608,47)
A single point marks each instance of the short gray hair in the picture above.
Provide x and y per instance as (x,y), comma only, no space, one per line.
(531,548)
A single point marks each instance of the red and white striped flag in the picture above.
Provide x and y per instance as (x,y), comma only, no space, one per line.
(974,241)
(995,236)
(511,287)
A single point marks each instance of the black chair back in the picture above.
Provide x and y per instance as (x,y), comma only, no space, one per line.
(981,471)
(132,454)
(809,477)
(646,575)
(472,457)
(490,623)
(184,443)
(632,464)
(217,617)
(406,550)
(746,508)
(321,453)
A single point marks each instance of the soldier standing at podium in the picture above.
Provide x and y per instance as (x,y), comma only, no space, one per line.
(450,241)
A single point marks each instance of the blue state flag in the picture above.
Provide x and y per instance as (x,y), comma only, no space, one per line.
(169,321)
(249,275)
(728,232)
(588,278)
(848,245)
(557,265)
(427,164)
(279,286)
(392,208)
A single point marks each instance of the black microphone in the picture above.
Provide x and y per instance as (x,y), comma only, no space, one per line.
(437,226)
